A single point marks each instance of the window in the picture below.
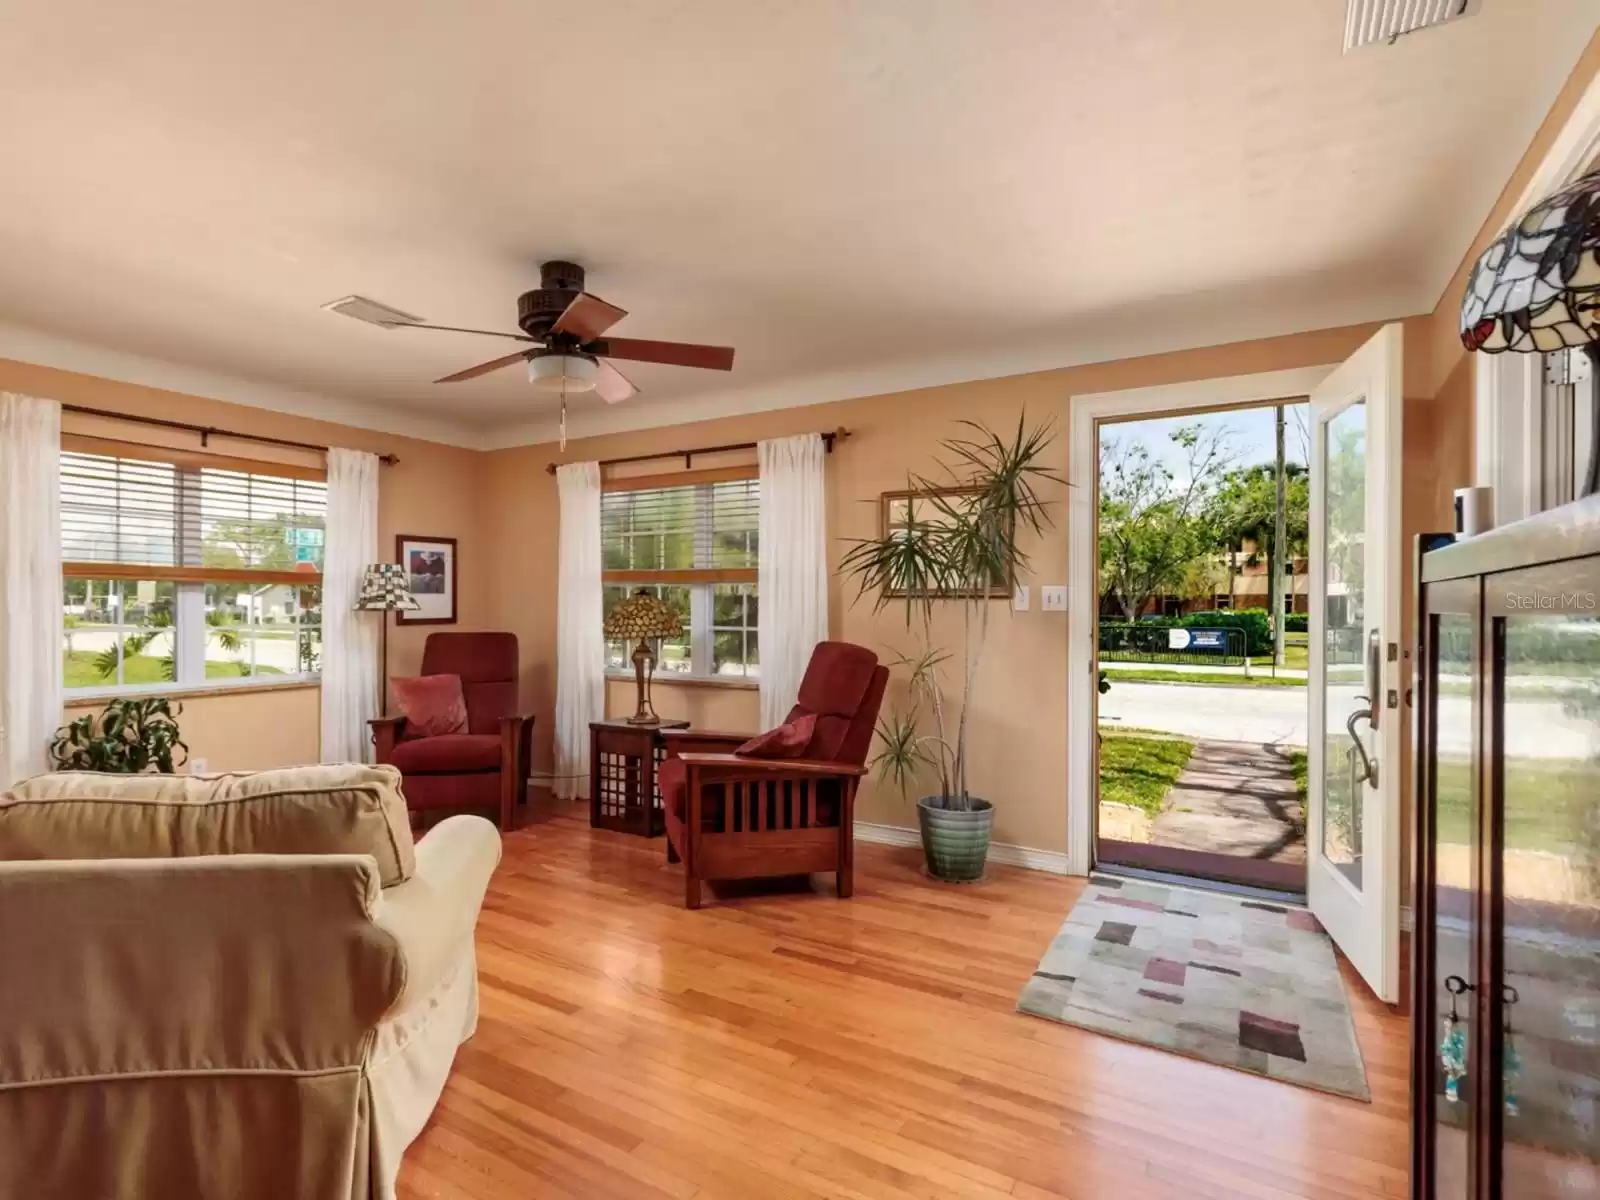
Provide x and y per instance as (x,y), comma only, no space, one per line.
(695,546)
(183,571)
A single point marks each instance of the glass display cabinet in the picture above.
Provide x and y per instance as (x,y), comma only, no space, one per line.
(1506,882)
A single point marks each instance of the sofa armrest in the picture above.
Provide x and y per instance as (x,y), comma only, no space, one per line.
(433,914)
(386,731)
(712,766)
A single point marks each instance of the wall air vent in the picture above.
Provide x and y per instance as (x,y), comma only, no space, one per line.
(371,312)
(1369,21)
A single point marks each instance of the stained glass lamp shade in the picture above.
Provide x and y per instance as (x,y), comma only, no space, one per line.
(1537,286)
(642,617)
(385,588)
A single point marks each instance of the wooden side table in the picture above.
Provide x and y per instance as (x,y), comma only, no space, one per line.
(623,793)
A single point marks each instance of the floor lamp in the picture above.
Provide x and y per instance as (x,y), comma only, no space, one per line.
(385,589)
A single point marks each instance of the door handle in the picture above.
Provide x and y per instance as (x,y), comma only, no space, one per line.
(1369,765)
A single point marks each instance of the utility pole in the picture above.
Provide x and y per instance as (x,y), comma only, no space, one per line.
(1280,555)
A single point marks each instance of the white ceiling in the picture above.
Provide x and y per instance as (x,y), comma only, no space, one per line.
(860,195)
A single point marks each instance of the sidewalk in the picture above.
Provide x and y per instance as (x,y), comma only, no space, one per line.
(1235,798)
(1203,669)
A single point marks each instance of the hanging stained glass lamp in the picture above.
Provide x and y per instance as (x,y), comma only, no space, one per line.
(1537,286)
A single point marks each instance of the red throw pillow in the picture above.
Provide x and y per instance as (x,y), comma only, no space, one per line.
(786,741)
(431,704)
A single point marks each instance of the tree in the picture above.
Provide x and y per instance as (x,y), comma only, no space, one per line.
(1154,524)
(1243,508)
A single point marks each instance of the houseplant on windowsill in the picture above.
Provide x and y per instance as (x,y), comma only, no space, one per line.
(954,547)
(129,737)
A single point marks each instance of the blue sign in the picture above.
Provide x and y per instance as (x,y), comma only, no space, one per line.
(1208,639)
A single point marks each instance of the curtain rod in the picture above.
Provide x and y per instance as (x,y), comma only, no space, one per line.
(828,438)
(207,432)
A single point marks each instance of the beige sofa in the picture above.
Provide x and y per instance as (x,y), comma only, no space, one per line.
(229,986)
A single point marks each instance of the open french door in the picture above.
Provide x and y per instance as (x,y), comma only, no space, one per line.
(1356,720)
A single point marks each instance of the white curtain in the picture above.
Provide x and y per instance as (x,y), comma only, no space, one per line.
(30,583)
(349,638)
(793,577)
(580,639)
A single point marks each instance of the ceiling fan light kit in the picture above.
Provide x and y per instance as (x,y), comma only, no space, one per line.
(565,326)
(563,373)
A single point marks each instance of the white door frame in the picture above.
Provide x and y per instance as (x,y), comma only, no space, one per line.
(1083,590)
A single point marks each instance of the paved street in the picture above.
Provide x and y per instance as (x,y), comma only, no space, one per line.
(1263,715)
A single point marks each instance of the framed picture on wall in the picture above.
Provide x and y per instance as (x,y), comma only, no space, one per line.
(898,511)
(430,566)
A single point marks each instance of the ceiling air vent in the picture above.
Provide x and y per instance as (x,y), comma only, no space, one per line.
(1369,21)
(371,312)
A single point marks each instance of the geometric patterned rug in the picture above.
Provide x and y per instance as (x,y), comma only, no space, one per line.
(1243,983)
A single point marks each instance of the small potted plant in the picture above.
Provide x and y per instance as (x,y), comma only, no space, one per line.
(960,545)
(130,736)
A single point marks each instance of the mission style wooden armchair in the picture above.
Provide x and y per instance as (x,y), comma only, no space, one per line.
(782,803)
(485,767)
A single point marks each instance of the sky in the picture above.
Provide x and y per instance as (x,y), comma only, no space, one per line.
(1249,432)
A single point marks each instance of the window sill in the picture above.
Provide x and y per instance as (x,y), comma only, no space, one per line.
(190,691)
(731,682)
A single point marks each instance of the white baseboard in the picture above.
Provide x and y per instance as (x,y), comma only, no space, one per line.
(1004,853)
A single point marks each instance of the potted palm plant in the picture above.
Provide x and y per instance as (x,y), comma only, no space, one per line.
(960,541)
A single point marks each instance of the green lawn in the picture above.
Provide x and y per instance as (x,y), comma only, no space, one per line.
(1549,804)
(1156,675)
(144,668)
(1295,656)
(1139,771)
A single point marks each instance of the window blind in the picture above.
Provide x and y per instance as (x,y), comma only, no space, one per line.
(177,521)
(691,533)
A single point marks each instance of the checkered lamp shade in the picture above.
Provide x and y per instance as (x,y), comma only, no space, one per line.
(384,587)
(642,615)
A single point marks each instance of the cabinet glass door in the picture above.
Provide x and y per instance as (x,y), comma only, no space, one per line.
(1451,717)
(1549,936)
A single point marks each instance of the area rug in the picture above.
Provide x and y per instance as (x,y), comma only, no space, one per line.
(1243,983)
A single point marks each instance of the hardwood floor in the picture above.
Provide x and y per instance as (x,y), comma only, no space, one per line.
(790,1045)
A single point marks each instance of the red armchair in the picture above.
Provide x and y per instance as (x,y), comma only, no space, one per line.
(486,767)
(734,816)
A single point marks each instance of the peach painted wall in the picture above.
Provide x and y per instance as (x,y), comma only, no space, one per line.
(1019,719)
(431,491)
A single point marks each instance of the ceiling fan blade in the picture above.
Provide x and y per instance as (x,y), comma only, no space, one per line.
(611,385)
(516,337)
(676,354)
(588,317)
(484,368)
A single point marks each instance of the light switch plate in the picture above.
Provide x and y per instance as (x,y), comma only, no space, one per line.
(1053,599)
(1019,598)
(197,766)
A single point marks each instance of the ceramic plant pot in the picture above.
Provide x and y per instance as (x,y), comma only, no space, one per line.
(955,843)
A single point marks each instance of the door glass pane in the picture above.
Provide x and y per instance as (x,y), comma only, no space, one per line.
(1455,822)
(1551,810)
(1344,635)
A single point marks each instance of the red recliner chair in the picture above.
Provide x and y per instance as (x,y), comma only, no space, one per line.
(486,767)
(783,803)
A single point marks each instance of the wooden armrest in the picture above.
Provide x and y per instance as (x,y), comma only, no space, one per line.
(385,733)
(771,766)
(704,735)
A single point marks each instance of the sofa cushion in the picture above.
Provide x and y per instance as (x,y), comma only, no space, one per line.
(451,754)
(342,809)
(431,704)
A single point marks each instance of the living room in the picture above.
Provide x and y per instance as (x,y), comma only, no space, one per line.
(647,1015)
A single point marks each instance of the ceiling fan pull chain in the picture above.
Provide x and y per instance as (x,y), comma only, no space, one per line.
(563,420)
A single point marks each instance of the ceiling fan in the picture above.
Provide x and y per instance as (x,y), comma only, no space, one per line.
(565,328)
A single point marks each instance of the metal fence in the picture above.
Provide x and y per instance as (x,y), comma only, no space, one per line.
(1145,643)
